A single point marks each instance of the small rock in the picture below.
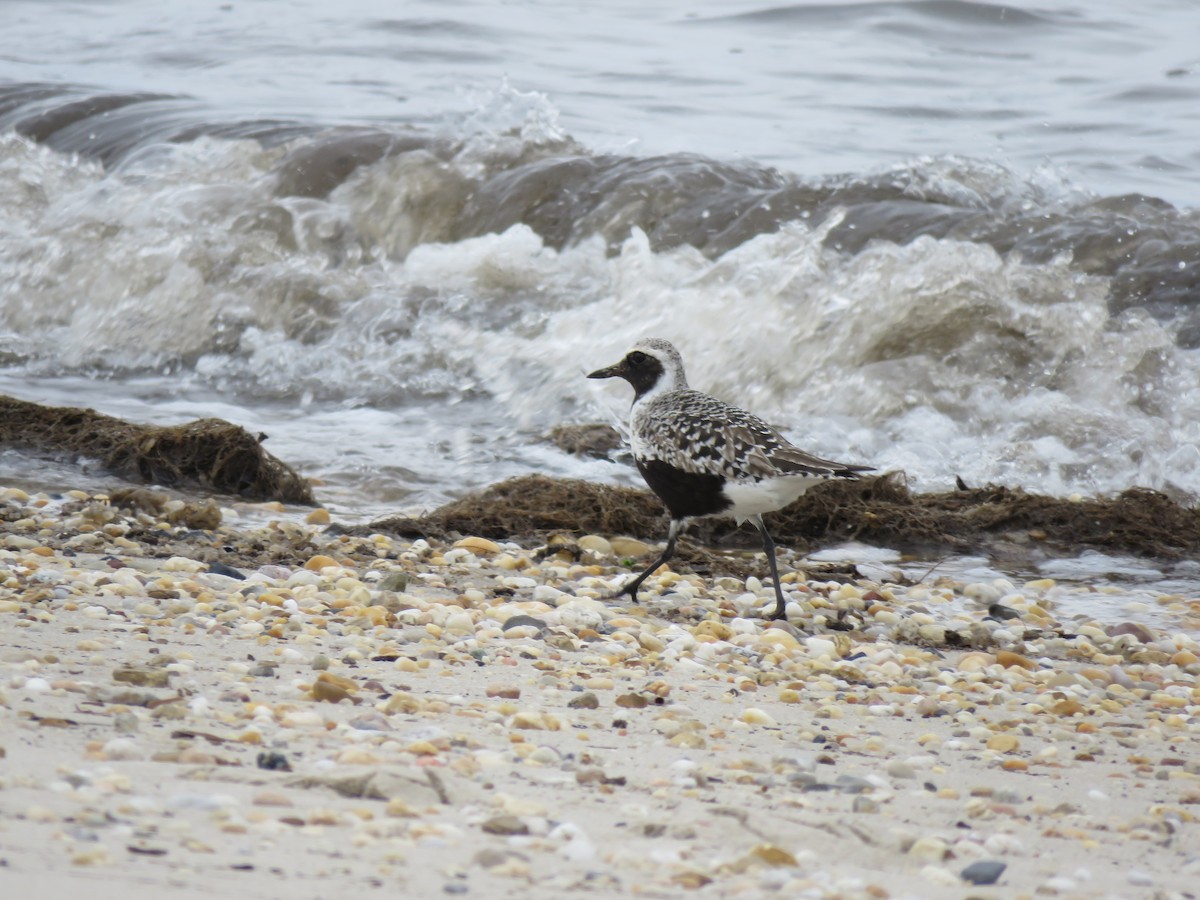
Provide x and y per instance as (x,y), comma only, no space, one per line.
(491,857)
(123,749)
(984,871)
(273,761)
(319,562)
(586,700)
(821,648)
(271,798)
(519,621)
(205,515)
(506,825)
(1008,659)
(755,716)
(928,707)
(598,545)
(1139,631)
(929,849)
(143,677)
(1003,743)
(632,701)
(219,568)
(506,691)
(478,545)
(773,856)
(319,516)
(394,581)
(629,547)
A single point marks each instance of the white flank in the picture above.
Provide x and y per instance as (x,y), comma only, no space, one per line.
(753,498)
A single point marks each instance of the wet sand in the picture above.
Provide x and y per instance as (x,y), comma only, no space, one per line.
(367,714)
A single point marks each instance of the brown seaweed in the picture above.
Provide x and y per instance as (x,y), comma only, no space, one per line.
(880,510)
(211,454)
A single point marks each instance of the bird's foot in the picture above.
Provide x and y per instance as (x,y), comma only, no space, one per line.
(630,590)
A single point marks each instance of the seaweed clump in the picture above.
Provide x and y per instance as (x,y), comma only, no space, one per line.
(533,506)
(209,453)
(880,510)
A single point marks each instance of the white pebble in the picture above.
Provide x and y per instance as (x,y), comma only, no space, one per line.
(940,875)
(1004,845)
(459,623)
(303,718)
(755,716)
(519,582)
(123,748)
(821,648)
(182,564)
(201,801)
(545,755)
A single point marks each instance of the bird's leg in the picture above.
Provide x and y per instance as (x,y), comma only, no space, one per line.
(672,536)
(769,549)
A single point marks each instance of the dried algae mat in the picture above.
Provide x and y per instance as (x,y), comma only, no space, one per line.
(210,454)
(878,510)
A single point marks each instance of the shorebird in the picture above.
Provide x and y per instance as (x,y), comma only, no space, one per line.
(703,457)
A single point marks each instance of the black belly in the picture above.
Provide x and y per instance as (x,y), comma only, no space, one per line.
(685,494)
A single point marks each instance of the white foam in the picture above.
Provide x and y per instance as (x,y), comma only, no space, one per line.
(937,357)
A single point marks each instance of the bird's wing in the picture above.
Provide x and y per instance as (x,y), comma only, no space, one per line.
(698,433)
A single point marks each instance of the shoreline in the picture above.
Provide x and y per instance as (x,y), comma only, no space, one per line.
(682,746)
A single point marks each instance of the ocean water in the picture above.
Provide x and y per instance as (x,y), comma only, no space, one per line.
(946,237)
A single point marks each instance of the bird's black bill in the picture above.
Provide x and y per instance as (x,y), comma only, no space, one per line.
(608,372)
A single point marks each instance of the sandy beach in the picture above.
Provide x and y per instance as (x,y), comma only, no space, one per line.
(180,716)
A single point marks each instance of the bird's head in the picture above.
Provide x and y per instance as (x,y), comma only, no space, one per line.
(652,366)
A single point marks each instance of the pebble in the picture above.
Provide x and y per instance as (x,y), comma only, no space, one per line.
(1008,659)
(929,849)
(1139,878)
(983,872)
(319,562)
(629,547)
(755,716)
(478,545)
(1003,743)
(143,677)
(123,749)
(504,825)
(319,516)
(586,700)
(596,544)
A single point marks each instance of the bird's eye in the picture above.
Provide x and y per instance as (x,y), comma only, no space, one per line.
(636,358)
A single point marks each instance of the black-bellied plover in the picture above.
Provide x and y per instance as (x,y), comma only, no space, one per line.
(703,457)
